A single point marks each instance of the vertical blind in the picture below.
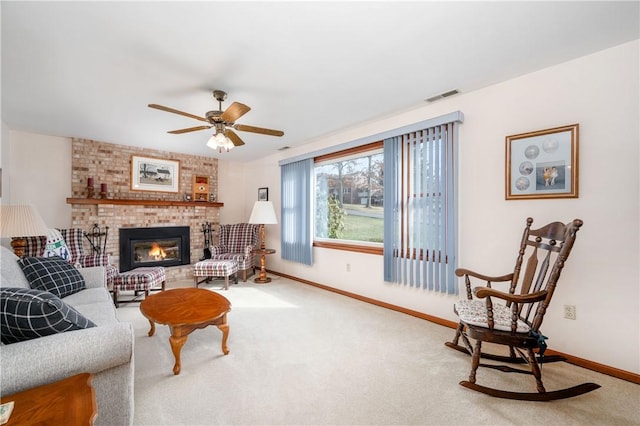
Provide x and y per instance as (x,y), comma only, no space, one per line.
(296,238)
(420,208)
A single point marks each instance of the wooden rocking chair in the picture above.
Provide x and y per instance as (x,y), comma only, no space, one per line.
(513,318)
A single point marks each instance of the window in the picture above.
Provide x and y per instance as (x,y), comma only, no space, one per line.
(408,174)
(349,200)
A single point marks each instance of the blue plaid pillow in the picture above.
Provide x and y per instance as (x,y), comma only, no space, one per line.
(27,314)
(53,274)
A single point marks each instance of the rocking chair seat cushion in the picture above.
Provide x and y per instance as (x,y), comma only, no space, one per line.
(474,312)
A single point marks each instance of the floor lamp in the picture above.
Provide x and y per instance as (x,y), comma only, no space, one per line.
(263,214)
(19,221)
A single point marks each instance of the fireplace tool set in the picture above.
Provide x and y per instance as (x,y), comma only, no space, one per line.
(206,230)
(95,234)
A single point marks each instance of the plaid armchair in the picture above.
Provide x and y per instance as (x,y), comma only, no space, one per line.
(237,242)
(73,237)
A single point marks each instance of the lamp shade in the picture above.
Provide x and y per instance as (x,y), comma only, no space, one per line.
(219,141)
(263,213)
(21,221)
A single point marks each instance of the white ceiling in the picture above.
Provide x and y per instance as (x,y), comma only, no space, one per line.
(89,69)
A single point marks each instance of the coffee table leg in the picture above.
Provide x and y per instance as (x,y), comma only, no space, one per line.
(225,334)
(153,328)
(177,342)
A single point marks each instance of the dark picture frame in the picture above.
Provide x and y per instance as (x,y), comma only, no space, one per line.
(263,194)
(542,164)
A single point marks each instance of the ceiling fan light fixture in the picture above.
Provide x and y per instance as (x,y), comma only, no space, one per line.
(223,122)
(219,141)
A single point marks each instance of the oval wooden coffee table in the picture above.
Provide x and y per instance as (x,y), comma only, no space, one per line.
(185,310)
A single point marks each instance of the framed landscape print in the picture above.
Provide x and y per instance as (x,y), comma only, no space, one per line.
(154,174)
(542,164)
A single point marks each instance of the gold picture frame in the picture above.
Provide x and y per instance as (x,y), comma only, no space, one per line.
(542,164)
(154,174)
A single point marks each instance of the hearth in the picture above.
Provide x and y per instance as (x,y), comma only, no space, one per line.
(158,246)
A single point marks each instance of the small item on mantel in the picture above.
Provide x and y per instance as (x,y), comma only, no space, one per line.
(103,190)
(90,189)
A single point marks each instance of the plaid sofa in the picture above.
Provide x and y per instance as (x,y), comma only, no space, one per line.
(74,237)
(237,242)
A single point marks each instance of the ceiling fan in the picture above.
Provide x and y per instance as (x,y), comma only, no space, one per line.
(222,121)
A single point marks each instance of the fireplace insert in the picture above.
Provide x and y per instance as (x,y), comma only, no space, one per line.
(158,246)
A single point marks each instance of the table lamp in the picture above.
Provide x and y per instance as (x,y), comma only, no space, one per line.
(19,221)
(263,214)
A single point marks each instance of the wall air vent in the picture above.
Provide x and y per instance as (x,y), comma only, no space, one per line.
(442,95)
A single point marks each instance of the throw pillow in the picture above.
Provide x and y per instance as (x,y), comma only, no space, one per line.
(52,274)
(56,245)
(73,237)
(28,314)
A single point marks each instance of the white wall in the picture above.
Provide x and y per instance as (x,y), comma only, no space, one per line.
(40,174)
(601,93)
(4,163)
(232,191)
(238,189)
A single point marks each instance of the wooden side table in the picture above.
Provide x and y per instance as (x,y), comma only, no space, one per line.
(71,401)
(262,278)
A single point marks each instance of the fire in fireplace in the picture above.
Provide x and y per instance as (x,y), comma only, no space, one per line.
(156,251)
(158,246)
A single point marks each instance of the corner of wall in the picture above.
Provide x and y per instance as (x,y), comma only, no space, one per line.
(5,195)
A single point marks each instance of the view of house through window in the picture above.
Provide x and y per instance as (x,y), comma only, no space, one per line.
(349,195)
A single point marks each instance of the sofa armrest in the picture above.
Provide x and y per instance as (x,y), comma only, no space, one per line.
(48,359)
(94,277)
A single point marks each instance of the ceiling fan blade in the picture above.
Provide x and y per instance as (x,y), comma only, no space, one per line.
(234,137)
(253,129)
(190,129)
(235,111)
(175,111)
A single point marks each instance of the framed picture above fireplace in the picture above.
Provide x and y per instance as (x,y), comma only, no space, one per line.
(154,174)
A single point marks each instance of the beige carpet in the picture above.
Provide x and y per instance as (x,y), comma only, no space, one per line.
(304,356)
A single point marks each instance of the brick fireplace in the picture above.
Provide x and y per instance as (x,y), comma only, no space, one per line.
(123,208)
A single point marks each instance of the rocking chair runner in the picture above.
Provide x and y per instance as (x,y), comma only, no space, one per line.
(514,319)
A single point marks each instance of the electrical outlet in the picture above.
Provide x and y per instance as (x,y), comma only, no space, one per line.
(348,267)
(570,312)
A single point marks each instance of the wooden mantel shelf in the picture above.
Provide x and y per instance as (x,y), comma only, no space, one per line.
(134,202)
